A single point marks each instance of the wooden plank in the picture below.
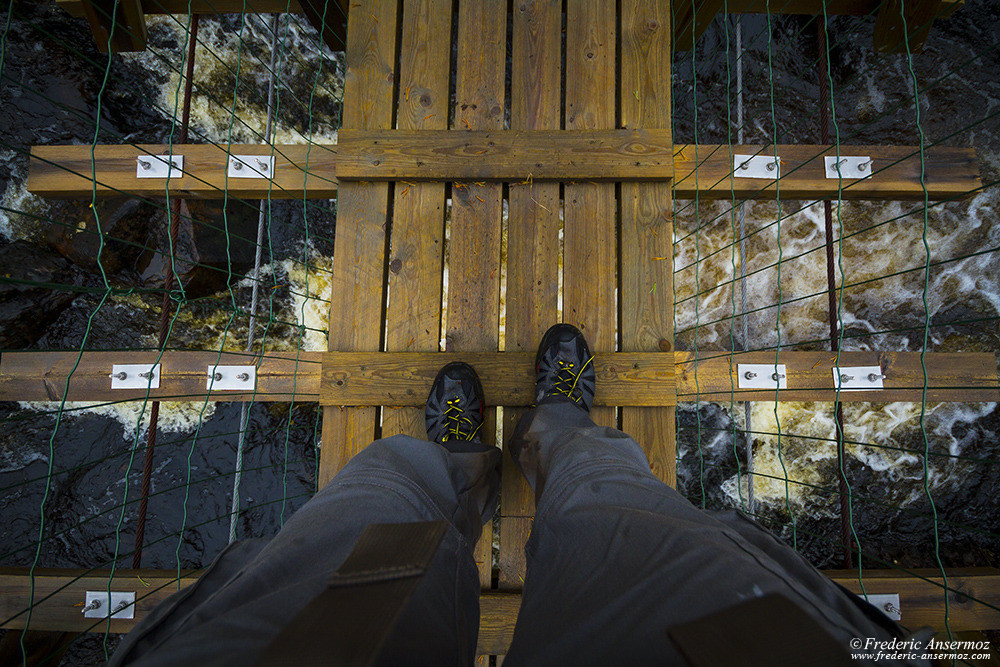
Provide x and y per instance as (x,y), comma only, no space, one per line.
(966,377)
(696,19)
(67,171)
(647,311)
(359,255)
(894,34)
(404,378)
(75,7)
(117,25)
(473,319)
(41,376)
(329,19)
(590,260)
(973,601)
(413,316)
(532,248)
(506,155)
(950,172)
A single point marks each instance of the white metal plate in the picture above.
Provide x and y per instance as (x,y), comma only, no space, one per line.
(231,378)
(761,376)
(756,166)
(158,166)
(887,604)
(123,601)
(851,166)
(251,166)
(858,378)
(132,378)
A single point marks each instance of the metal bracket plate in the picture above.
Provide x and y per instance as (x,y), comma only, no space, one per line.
(231,378)
(133,376)
(851,166)
(762,376)
(858,378)
(888,604)
(159,166)
(757,166)
(99,604)
(251,166)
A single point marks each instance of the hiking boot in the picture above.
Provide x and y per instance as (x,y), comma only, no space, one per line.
(455,405)
(564,367)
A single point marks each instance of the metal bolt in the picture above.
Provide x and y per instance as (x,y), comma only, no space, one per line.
(844,377)
(864,166)
(243,377)
(749,375)
(771,166)
(839,164)
(124,604)
(95,604)
(891,608)
(147,375)
(875,377)
(745,165)
(776,376)
(118,376)
(145,164)
(237,165)
(263,165)
(217,376)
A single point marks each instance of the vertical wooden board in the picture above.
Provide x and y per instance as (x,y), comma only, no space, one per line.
(532,246)
(474,252)
(590,264)
(413,315)
(362,218)
(647,224)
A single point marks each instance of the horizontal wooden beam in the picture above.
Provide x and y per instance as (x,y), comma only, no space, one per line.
(404,378)
(705,170)
(973,599)
(966,377)
(41,376)
(510,155)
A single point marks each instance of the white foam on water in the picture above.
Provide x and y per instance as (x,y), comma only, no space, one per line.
(175,416)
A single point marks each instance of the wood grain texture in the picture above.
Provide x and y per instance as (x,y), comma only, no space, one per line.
(590,242)
(692,22)
(70,171)
(416,247)
(950,172)
(506,155)
(404,378)
(117,25)
(953,376)
(359,254)
(893,35)
(973,602)
(473,319)
(647,309)
(41,376)
(532,247)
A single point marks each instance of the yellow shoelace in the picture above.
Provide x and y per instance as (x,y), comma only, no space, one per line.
(454,416)
(572,377)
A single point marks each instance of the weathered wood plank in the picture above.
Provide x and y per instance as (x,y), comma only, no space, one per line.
(117,25)
(413,315)
(41,376)
(967,377)
(590,254)
(973,601)
(506,155)
(532,247)
(894,33)
(647,310)
(694,21)
(359,255)
(404,378)
(950,172)
(473,319)
(68,171)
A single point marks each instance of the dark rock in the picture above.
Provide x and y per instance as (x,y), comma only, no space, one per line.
(125,227)
(35,286)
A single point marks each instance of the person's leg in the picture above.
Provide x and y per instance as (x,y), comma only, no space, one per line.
(616,557)
(253,591)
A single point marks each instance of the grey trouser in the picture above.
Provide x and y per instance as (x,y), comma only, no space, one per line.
(615,558)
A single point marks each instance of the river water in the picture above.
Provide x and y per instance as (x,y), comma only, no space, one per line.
(51,84)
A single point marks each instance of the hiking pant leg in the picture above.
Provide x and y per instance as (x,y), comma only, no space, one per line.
(255,588)
(616,557)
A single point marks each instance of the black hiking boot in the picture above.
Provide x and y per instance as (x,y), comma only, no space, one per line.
(564,367)
(455,405)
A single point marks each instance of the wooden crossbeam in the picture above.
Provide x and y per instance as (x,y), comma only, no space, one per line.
(705,170)
(506,155)
(117,25)
(404,378)
(967,377)
(974,599)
